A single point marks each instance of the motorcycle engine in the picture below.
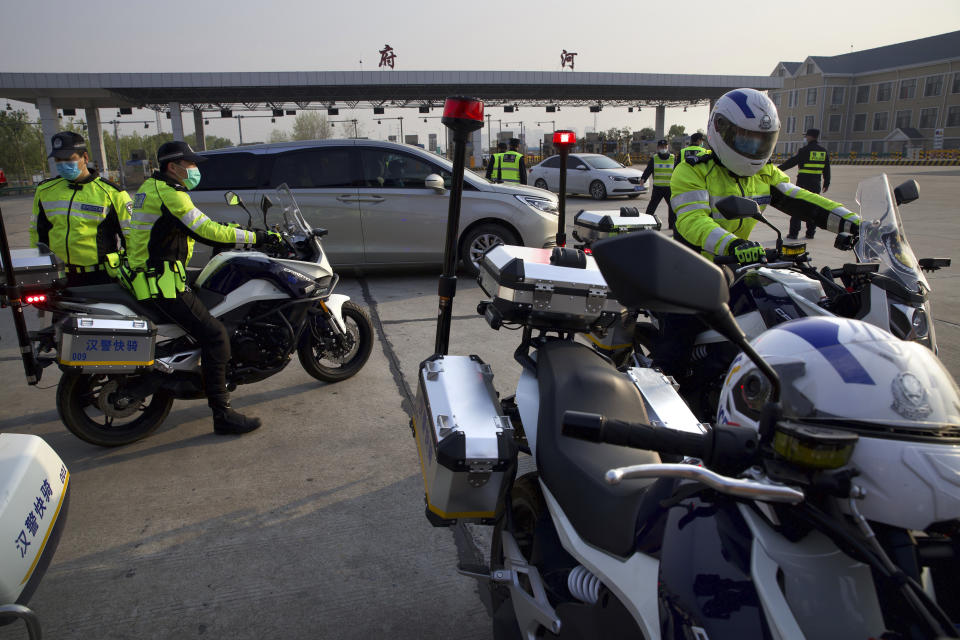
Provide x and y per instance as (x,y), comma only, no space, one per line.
(260,345)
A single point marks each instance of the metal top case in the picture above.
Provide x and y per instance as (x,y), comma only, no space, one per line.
(590,226)
(33,268)
(546,288)
(467,452)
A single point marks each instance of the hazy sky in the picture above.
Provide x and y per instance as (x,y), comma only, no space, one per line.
(693,36)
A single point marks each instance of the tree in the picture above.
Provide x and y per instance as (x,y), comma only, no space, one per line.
(279,136)
(647,133)
(676,131)
(22,152)
(310,125)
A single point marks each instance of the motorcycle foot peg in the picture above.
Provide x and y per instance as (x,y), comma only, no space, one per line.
(482,572)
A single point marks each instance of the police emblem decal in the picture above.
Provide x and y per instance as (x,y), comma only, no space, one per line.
(909,397)
(57,143)
(766,122)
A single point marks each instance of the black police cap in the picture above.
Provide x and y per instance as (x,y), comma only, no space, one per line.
(813,133)
(661,142)
(176,150)
(696,138)
(67,143)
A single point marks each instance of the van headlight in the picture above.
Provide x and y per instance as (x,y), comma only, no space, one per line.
(540,204)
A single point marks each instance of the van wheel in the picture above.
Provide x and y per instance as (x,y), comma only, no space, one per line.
(541,184)
(479,240)
(597,190)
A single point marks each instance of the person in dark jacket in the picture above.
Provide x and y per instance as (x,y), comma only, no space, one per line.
(661,168)
(814,162)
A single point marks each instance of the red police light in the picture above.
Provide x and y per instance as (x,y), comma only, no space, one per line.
(564,138)
(463,108)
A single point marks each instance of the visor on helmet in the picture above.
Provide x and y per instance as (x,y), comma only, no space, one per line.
(756,145)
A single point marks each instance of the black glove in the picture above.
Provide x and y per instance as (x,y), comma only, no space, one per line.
(268,238)
(746,251)
(694,159)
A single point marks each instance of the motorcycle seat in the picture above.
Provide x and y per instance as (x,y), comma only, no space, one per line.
(112,293)
(572,377)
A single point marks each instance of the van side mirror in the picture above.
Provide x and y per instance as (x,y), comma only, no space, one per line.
(232,198)
(738,208)
(435,182)
(907,192)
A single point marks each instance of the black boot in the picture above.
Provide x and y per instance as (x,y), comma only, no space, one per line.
(226,421)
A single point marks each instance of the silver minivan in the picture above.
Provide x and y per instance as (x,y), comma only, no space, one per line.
(384,204)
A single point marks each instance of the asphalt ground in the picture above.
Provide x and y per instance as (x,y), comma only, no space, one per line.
(313,527)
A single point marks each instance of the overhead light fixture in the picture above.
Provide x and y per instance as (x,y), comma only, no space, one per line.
(169,116)
(146,125)
(333,111)
(291,112)
(508,108)
(273,119)
(684,109)
(424,120)
(69,112)
(424,109)
(126,111)
(206,122)
(629,109)
(551,108)
(378,122)
(378,111)
(226,113)
(278,113)
(9,108)
(595,108)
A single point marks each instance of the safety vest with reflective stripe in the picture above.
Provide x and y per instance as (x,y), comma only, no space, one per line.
(695,190)
(81,222)
(814,164)
(662,170)
(160,238)
(509,165)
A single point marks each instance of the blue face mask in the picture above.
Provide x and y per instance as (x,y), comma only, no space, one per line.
(69,170)
(192,179)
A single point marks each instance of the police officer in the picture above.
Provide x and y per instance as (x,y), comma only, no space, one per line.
(160,238)
(742,133)
(661,167)
(494,163)
(814,161)
(695,149)
(79,215)
(512,166)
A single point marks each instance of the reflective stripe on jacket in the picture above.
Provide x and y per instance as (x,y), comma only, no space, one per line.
(509,165)
(81,222)
(662,170)
(695,190)
(160,238)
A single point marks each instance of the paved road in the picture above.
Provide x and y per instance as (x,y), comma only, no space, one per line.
(312,527)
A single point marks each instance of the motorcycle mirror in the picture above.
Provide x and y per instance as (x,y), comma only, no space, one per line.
(738,208)
(232,198)
(649,270)
(907,192)
(266,201)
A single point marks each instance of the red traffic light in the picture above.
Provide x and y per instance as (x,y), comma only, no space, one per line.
(463,113)
(564,138)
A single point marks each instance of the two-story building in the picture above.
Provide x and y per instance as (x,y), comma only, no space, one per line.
(894,99)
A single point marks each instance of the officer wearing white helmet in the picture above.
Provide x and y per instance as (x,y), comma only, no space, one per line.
(742,132)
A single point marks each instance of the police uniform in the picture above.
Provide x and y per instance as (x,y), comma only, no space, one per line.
(160,238)
(814,162)
(662,170)
(81,221)
(494,165)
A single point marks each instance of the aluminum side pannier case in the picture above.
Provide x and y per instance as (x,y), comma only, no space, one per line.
(106,344)
(34,268)
(557,288)
(467,451)
(590,226)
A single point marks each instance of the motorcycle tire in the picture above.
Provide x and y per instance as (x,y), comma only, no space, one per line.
(313,352)
(80,408)
(527,507)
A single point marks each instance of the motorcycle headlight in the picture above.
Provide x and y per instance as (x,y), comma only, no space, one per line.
(921,325)
(909,323)
(540,204)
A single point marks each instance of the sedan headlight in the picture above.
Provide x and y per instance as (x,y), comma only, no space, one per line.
(618,178)
(540,204)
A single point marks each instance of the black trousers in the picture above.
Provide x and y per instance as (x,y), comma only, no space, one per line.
(658,194)
(811,184)
(191,314)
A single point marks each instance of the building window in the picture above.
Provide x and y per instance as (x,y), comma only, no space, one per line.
(837,97)
(883,91)
(933,86)
(903,119)
(793,98)
(928,118)
(812,96)
(860,122)
(863,94)
(908,89)
(956,83)
(834,125)
(807,123)
(953,116)
(791,124)
(880,121)
(809,67)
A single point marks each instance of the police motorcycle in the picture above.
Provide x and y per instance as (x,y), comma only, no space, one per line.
(124,364)
(731,532)
(885,287)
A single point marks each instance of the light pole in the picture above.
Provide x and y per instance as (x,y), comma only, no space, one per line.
(356,133)
(400,118)
(116,142)
(553,127)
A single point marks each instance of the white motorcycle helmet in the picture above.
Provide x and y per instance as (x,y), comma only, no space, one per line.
(743,130)
(845,374)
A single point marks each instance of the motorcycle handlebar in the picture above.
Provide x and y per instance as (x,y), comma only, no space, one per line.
(772,254)
(596,428)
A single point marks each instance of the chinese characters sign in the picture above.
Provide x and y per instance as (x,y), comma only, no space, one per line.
(38,513)
(567,58)
(387,56)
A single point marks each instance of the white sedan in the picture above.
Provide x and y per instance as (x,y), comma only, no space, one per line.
(589,173)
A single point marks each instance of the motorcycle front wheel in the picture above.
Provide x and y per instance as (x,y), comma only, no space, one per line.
(329,359)
(95,410)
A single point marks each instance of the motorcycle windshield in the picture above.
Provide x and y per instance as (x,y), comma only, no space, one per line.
(882,238)
(294,223)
